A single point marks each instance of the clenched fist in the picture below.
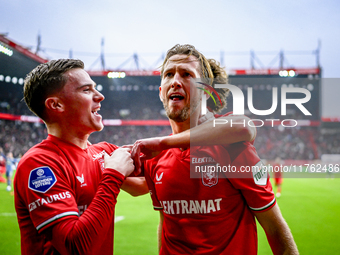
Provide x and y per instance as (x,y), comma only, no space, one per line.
(120,160)
(146,149)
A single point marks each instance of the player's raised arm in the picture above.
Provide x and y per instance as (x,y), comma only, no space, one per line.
(217,131)
(234,129)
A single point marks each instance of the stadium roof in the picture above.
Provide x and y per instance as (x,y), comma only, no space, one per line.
(16,60)
(14,54)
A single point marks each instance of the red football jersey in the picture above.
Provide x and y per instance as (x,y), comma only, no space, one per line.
(55,180)
(207,213)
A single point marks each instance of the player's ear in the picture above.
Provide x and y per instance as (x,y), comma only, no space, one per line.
(160,93)
(54,104)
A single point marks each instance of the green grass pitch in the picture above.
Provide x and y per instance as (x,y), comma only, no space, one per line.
(310,206)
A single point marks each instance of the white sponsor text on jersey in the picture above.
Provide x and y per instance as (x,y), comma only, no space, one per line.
(98,156)
(48,200)
(195,160)
(191,206)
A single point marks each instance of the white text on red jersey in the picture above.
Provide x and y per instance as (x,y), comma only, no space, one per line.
(191,206)
(202,160)
(48,200)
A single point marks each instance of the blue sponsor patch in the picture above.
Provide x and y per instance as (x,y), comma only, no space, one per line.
(41,179)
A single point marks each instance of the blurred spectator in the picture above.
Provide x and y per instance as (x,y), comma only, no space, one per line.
(11,165)
(2,165)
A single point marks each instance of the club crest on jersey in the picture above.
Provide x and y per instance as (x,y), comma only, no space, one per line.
(41,179)
(209,177)
(100,157)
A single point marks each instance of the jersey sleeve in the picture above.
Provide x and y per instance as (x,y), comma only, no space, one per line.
(86,234)
(44,188)
(252,180)
(46,191)
(49,193)
(149,172)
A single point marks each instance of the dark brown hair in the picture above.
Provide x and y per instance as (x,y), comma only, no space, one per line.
(46,79)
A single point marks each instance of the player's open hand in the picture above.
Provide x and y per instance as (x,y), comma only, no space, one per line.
(120,160)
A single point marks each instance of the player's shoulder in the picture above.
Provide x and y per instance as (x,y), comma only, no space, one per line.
(244,150)
(43,149)
(43,155)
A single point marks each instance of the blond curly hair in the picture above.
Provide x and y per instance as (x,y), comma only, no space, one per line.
(210,70)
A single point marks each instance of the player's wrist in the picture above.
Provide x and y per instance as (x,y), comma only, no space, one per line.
(114,173)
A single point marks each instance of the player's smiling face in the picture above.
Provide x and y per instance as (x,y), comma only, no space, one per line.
(82,102)
(177,87)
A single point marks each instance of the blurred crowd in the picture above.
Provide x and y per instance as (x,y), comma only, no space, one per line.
(291,143)
(288,143)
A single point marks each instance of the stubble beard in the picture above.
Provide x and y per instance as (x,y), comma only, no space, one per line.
(179,115)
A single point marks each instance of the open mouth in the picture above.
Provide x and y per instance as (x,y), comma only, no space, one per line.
(176,97)
(95,112)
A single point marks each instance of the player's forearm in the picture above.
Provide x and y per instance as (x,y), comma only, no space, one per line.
(278,233)
(135,186)
(224,130)
(159,238)
(160,230)
(282,243)
(85,234)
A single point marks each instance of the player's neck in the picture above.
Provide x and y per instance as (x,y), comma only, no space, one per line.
(178,127)
(69,135)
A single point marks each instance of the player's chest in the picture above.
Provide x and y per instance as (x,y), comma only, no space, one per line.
(191,178)
(85,179)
